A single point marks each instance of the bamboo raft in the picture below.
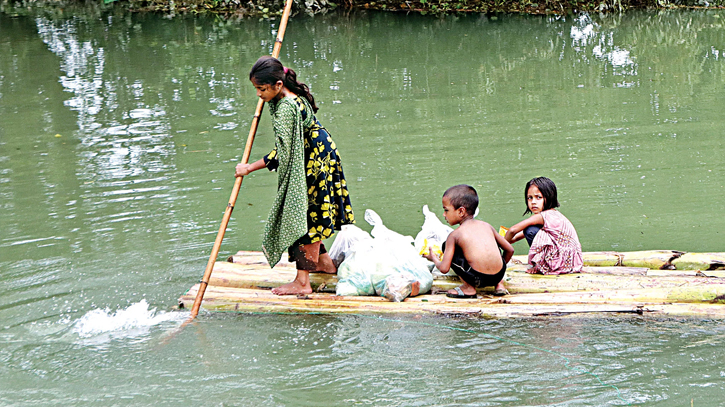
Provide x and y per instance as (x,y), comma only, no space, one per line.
(661,282)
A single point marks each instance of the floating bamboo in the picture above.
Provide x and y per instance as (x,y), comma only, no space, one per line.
(257,275)
(516,305)
(245,286)
(650,259)
(700,261)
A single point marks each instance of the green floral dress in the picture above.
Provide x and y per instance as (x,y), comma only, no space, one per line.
(312,198)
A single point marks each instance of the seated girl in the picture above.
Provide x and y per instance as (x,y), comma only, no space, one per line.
(554,244)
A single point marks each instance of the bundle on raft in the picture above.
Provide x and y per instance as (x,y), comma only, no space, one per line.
(652,283)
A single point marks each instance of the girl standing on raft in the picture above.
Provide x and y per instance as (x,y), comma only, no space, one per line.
(312,198)
(555,247)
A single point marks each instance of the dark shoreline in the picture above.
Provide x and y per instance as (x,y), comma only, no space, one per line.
(270,9)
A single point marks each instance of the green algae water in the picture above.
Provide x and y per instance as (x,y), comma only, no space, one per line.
(118,140)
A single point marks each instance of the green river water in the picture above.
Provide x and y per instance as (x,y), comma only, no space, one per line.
(118,140)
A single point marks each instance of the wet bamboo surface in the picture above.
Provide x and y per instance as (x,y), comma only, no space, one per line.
(243,284)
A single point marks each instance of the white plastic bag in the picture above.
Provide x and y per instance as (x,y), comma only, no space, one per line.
(397,256)
(433,233)
(389,266)
(396,287)
(381,231)
(345,242)
(353,276)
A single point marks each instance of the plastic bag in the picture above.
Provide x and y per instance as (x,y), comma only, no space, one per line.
(381,231)
(390,266)
(353,278)
(433,233)
(396,287)
(346,241)
(396,252)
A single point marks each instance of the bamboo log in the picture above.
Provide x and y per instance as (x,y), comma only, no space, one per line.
(652,259)
(700,261)
(658,295)
(252,257)
(257,275)
(260,276)
(229,299)
(617,270)
(602,259)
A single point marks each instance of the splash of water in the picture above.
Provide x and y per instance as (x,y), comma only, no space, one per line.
(137,317)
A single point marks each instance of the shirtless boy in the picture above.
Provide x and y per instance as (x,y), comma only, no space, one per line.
(473,250)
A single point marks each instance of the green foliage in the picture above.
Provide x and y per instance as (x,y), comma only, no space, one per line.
(273,8)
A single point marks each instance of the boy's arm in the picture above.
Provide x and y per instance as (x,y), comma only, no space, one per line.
(444,265)
(511,234)
(508,250)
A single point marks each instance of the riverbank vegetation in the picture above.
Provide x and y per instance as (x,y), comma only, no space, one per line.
(271,8)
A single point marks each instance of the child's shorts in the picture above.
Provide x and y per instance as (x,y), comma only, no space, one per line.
(460,266)
(530,233)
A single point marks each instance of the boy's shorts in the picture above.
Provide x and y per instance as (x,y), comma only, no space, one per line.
(460,266)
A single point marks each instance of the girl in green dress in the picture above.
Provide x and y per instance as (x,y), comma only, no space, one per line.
(312,198)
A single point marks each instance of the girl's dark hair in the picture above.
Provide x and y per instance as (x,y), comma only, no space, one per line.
(462,196)
(268,70)
(548,191)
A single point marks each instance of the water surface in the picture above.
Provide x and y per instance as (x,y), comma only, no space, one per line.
(118,139)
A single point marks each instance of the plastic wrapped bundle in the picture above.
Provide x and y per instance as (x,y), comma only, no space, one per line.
(392,266)
(346,243)
(353,275)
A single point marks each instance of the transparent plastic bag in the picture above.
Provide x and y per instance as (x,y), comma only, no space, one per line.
(353,274)
(397,287)
(389,266)
(433,233)
(396,252)
(381,231)
(346,241)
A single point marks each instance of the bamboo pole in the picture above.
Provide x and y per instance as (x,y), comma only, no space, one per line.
(238,182)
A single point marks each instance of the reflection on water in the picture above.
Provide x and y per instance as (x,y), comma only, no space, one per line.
(118,139)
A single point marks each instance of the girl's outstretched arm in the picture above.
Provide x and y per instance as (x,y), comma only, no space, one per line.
(244,169)
(515,232)
(516,237)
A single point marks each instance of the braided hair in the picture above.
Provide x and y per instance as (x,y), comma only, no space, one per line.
(268,70)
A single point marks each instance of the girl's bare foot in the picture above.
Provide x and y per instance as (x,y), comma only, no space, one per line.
(300,285)
(293,288)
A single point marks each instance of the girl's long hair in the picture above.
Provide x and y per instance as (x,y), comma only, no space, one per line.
(548,191)
(268,70)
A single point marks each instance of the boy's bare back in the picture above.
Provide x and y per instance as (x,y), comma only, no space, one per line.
(477,240)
